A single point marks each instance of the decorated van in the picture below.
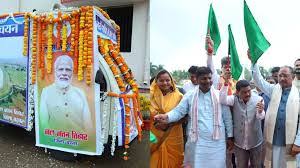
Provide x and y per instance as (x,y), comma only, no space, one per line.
(62,74)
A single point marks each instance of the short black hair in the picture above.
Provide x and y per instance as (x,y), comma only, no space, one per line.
(241,83)
(225,61)
(193,69)
(296,60)
(275,69)
(203,71)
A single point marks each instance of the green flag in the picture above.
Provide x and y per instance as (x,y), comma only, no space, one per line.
(236,67)
(213,29)
(257,43)
(152,138)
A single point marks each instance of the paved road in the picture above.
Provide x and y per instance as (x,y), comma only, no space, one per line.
(17,149)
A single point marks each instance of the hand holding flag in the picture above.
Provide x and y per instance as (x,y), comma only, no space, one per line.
(210,45)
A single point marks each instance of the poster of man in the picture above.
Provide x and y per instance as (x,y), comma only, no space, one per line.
(62,105)
(66,109)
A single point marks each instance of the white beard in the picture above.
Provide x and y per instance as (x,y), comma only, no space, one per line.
(62,84)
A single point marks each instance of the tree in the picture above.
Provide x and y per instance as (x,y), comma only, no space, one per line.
(154,69)
(180,75)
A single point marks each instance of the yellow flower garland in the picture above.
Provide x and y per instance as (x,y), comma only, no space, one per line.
(34,49)
(64,38)
(25,40)
(50,42)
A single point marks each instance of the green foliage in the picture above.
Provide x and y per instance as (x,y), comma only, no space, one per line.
(154,69)
(180,75)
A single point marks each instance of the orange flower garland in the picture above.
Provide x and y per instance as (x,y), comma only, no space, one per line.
(127,126)
(58,28)
(89,65)
(118,38)
(25,40)
(42,44)
(81,44)
(126,99)
(111,57)
(136,116)
(76,42)
(111,64)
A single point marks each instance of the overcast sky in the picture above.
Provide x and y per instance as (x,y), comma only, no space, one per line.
(178,29)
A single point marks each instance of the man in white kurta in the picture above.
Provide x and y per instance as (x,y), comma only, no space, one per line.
(203,151)
(63,106)
(192,83)
(281,122)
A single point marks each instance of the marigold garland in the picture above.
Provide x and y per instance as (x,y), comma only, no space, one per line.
(64,37)
(58,28)
(72,47)
(118,39)
(126,98)
(25,39)
(89,59)
(50,42)
(34,49)
(112,57)
(42,44)
(76,50)
(81,44)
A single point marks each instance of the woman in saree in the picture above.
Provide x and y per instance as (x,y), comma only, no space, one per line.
(168,151)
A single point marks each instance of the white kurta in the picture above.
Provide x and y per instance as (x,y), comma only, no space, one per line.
(205,152)
(189,86)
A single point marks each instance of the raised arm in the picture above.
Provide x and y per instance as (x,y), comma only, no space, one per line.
(226,99)
(260,82)
(210,64)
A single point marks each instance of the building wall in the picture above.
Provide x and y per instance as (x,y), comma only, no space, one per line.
(138,59)
(138,55)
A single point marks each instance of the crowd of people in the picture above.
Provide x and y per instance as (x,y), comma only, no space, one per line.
(229,123)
